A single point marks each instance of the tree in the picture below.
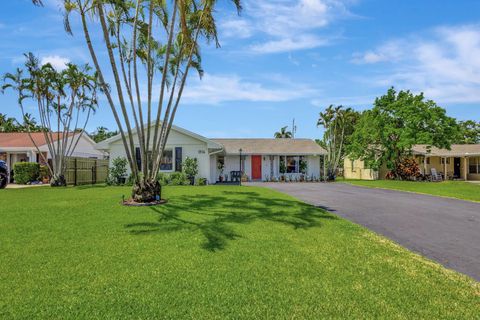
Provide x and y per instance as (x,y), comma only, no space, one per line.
(338,123)
(283,133)
(64,101)
(164,39)
(8,124)
(102,133)
(398,121)
(469,132)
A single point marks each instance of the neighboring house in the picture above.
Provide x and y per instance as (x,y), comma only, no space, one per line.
(18,147)
(261,158)
(462,162)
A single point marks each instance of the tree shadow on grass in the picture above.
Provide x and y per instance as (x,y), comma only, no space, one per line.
(215,216)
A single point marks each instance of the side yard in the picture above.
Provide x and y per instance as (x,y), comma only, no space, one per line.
(453,189)
(211,253)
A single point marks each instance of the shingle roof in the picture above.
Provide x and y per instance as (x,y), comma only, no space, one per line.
(456,150)
(271,146)
(22,140)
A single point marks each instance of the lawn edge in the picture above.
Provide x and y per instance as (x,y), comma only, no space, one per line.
(415,192)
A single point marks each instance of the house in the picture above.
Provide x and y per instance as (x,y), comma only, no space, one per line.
(461,162)
(19,147)
(218,158)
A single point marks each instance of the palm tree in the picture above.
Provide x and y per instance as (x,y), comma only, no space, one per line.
(162,38)
(283,133)
(65,101)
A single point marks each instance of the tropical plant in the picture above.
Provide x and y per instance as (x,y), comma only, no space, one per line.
(64,102)
(338,123)
(283,133)
(407,169)
(164,39)
(397,122)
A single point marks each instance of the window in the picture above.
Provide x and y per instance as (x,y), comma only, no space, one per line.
(428,160)
(178,159)
(167,160)
(442,160)
(292,164)
(474,165)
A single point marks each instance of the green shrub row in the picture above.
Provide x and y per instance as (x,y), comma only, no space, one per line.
(25,172)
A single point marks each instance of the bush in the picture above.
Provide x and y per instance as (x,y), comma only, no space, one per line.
(117,172)
(25,172)
(408,169)
(190,168)
(201,182)
(173,179)
(44,172)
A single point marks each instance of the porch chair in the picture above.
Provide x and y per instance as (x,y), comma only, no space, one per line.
(435,175)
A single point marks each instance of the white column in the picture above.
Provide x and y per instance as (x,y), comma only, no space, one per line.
(445,168)
(465,168)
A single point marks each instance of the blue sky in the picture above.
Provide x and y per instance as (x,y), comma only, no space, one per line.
(285,59)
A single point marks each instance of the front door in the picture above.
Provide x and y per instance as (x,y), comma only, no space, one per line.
(456,168)
(256,167)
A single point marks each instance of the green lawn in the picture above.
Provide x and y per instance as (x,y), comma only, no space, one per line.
(452,189)
(210,253)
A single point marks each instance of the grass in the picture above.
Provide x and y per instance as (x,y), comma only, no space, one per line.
(452,189)
(210,253)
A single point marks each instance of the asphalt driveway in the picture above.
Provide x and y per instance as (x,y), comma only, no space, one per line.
(445,230)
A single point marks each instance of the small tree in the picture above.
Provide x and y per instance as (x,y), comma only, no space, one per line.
(118,171)
(190,168)
(398,121)
(64,101)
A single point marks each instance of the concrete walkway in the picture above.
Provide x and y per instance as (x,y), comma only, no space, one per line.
(444,230)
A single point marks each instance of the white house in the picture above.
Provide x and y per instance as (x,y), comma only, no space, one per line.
(18,147)
(219,159)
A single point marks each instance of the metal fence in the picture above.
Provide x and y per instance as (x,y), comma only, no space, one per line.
(86,171)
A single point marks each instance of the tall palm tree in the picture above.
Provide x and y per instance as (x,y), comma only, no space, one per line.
(163,38)
(283,133)
(64,102)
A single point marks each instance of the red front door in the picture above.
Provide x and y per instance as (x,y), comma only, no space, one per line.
(256,167)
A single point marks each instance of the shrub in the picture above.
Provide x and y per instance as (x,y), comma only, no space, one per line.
(44,173)
(173,179)
(201,182)
(25,172)
(406,170)
(190,168)
(117,172)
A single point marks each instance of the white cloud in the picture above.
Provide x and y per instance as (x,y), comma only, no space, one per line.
(289,44)
(445,64)
(285,25)
(215,89)
(236,29)
(56,61)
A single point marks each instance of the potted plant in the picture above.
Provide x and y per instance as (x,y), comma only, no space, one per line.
(220,167)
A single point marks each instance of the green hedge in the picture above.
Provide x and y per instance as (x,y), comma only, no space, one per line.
(25,172)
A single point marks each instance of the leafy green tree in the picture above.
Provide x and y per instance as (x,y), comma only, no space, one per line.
(284,133)
(469,132)
(338,123)
(150,42)
(102,133)
(386,133)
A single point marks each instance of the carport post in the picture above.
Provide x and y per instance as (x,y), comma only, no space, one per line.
(445,168)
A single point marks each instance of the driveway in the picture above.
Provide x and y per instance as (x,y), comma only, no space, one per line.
(444,230)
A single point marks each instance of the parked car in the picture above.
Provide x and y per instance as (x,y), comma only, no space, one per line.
(3,174)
